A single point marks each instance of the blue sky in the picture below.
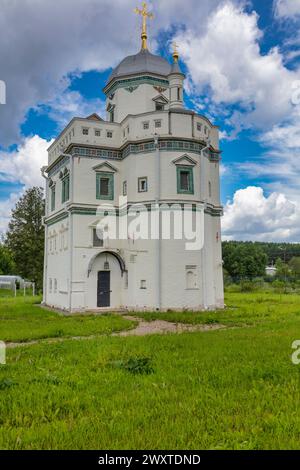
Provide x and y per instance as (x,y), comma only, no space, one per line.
(242,61)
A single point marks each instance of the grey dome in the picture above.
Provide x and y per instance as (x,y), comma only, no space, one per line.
(142,62)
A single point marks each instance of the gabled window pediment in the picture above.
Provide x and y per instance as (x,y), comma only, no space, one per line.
(161,99)
(184,160)
(106,167)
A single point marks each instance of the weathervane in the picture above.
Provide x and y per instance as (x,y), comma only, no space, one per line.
(145,15)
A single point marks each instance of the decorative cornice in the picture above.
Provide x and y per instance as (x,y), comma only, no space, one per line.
(57,218)
(57,165)
(215,211)
(165,145)
(134,81)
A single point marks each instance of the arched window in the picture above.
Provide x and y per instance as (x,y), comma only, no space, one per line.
(189,280)
(191,276)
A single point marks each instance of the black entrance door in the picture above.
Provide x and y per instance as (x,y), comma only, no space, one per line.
(103,289)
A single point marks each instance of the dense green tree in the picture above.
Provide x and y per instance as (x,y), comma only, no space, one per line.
(25,236)
(285,251)
(282,269)
(294,265)
(244,260)
(7,265)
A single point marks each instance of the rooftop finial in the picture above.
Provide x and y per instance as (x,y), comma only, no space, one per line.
(145,15)
(175,53)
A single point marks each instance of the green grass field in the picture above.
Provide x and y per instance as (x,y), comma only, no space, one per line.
(234,388)
(22,320)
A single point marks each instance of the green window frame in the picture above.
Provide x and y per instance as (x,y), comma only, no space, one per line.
(105,186)
(65,189)
(53,198)
(188,173)
(143,184)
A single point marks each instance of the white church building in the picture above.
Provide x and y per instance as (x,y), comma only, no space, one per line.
(152,152)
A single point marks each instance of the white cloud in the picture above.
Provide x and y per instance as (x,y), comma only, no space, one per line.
(5,210)
(44,41)
(22,166)
(279,164)
(227,57)
(71,104)
(253,216)
(287,8)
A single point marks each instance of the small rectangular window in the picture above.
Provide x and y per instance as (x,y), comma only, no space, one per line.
(185,181)
(159,107)
(158,124)
(85,131)
(127,129)
(97,132)
(178,94)
(205,130)
(124,188)
(143,284)
(146,125)
(109,134)
(97,240)
(142,185)
(105,186)
(199,126)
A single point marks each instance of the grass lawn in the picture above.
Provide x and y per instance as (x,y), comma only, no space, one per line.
(22,320)
(225,389)
(242,310)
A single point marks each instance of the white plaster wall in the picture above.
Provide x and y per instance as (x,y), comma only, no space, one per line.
(85,180)
(58,267)
(137,102)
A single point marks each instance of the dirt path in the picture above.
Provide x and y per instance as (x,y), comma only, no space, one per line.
(163,327)
(156,327)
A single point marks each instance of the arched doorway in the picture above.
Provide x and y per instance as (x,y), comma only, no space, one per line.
(104,286)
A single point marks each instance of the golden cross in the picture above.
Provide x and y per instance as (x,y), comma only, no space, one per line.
(145,14)
(175,53)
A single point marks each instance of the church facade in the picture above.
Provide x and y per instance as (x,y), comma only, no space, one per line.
(152,152)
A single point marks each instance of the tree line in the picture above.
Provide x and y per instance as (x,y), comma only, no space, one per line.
(22,247)
(248,260)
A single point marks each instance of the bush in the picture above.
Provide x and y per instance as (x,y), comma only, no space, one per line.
(278,286)
(248,286)
(136,365)
(233,288)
